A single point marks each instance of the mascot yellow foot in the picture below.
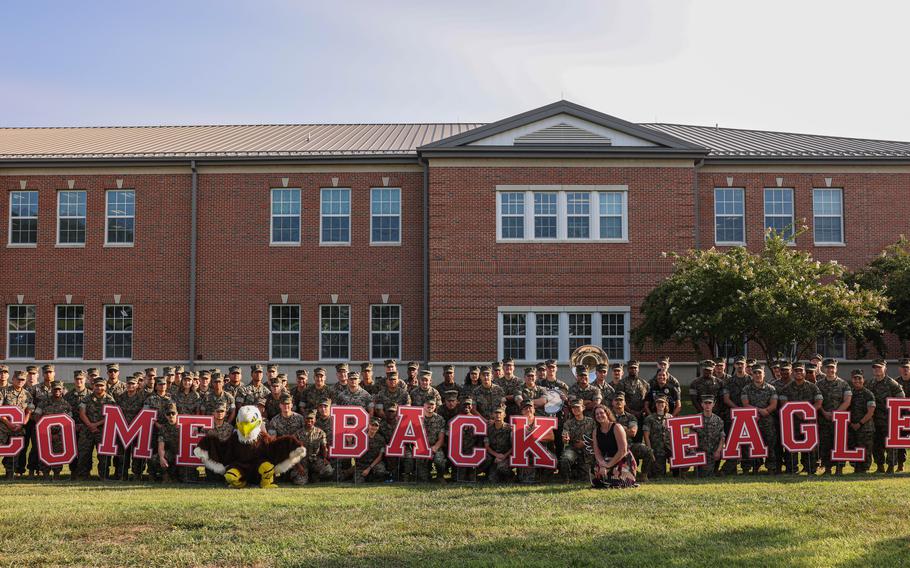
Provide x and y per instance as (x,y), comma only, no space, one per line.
(234,479)
(267,472)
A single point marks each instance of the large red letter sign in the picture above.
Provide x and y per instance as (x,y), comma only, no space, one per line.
(808,428)
(14,415)
(681,443)
(456,434)
(189,427)
(840,453)
(744,432)
(898,423)
(68,434)
(349,432)
(115,428)
(409,430)
(524,442)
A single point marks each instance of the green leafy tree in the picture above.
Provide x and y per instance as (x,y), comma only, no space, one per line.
(889,272)
(779,298)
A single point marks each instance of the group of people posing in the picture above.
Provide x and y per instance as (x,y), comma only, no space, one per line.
(612,426)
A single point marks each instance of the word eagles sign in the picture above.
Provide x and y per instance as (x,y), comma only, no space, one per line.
(798,427)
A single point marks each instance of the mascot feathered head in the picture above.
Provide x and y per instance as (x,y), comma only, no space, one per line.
(249,424)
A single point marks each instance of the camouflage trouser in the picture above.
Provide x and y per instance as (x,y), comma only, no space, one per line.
(126,462)
(900,456)
(862,438)
(768,431)
(791,459)
(574,459)
(496,470)
(659,467)
(377,473)
(88,440)
(400,467)
(643,455)
(312,468)
(881,454)
(157,472)
(422,467)
(12,463)
(34,463)
(825,441)
(56,447)
(532,474)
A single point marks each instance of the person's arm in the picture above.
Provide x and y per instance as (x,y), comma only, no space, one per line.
(677,408)
(439,441)
(373,463)
(720,447)
(622,447)
(848,398)
(598,457)
(647,436)
(161,455)
(772,406)
(85,420)
(818,401)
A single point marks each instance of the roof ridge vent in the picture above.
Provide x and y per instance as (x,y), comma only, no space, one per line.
(562,133)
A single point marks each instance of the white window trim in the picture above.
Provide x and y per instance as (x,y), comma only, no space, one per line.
(107,218)
(8,334)
(400,223)
(843,241)
(563,311)
(569,335)
(730,243)
(500,333)
(9,231)
(104,331)
(562,212)
(350,333)
(843,344)
(60,217)
(57,331)
(299,334)
(400,332)
(272,215)
(324,215)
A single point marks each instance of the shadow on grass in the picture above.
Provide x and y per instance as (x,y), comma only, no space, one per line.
(891,552)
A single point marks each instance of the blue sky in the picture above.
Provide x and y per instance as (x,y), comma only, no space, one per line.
(818,67)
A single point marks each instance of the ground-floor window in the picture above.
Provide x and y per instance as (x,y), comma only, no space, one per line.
(539,333)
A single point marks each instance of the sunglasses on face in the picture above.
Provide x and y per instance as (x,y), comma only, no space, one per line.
(171,414)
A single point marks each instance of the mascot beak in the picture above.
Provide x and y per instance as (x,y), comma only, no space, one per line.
(246,427)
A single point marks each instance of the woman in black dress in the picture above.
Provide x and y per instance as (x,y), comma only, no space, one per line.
(614,465)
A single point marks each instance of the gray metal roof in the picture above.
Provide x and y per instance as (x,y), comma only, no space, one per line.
(739,143)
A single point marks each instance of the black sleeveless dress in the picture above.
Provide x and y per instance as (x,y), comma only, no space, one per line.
(622,474)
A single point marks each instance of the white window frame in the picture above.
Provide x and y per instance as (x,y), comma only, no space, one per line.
(742,192)
(9,234)
(594,191)
(590,336)
(104,331)
(626,322)
(9,332)
(108,217)
(400,331)
(791,223)
(374,215)
(57,332)
(502,336)
(843,345)
(815,215)
(322,216)
(273,215)
(500,226)
(349,332)
(271,332)
(62,217)
(591,200)
(531,312)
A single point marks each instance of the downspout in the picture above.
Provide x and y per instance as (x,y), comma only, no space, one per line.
(192,291)
(426,260)
(696,199)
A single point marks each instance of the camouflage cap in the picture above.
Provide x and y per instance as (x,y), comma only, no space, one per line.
(366,366)
(603,367)
(613,366)
(113,367)
(271,367)
(550,362)
(233,369)
(137,374)
(496,365)
(524,403)
(282,377)
(151,370)
(707,398)
(341,367)
(786,365)
(160,381)
(391,375)
(426,373)
(375,422)
(56,385)
(485,369)
(168,407)
(811,368)
(93,371)
(4,368)
(186,375)
(775,364)
(20,374)
(319,371)
(134,381)
(576,402)
(474,368)
(220,405)
(507,360)
(303,373)
(450,395)
(179,369)
(430,400)
(904,362)
(392,407)
(205,373)
(99,381)
(619,396)
(660,398)
(167,371)
(879,363)
(818,356)
(217,377)
(286,399)
(499,409)
(447,368)
(757,367)
(468,400)
(829,362)
(581,370)
(310,415)
(541,366)
(530,371)
(739,359)
(255,367)
(31,369)
(413,365)
(707,364)
(353,376)
(389,362)
(78,373)
(719,360)
(47,368)
(799,366)
(857,373)
(632,363)
(324,401)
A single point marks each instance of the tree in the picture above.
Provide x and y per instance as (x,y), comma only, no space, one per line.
(889,272)
(779,298)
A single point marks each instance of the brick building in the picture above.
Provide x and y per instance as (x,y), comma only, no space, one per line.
(436,242)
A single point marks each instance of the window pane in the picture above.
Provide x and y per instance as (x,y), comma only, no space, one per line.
(118,332)
(579,330)
(72,231)
(385,326)
(285,331)
(24,204)
(335,337)
(547,327)
(24,231)
(512,210)
(730,229)
(613,335)
(21,331)
(828,230)
(578,211)
(70,331)
(121,203)
(514,336)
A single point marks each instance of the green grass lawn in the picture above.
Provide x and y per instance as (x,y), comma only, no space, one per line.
(744,521)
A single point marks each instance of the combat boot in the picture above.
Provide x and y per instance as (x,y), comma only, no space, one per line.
(839,470)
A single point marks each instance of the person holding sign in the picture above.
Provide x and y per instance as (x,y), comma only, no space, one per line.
(759,394)
(862,412)
(614,465)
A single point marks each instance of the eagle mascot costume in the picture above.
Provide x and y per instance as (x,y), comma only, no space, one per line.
(252,455)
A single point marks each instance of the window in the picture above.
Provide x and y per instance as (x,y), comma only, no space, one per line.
(613,215)
(336,216)
(579,330)
(731,348)
(578,215)
(20,332)
(285,216)
(385,218)
(729,216)
(779,211)
(71,218)
(613,335)
(834,346)
(544,215)
(547,327)
(335,332)
(828,211)
(512,215)
(70,331)
(118,332)
(284,336)
(385,332)
(513,336)
(23,218)
(121,217)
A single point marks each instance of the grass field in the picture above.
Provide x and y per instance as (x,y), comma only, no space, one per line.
(746,521)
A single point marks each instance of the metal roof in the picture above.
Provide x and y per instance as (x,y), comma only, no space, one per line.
(240,141)
(740,143)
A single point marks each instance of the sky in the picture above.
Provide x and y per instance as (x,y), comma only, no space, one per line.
(838,68)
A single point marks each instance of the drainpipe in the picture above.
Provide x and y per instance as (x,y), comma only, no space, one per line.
(426,260)
(192,291)
(696,199)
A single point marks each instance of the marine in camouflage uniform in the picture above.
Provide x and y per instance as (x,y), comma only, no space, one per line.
(423,391)
(836,395)
(903,379)
(255,393)
(707,385)
(54,405)
(498,440)
(511,385)
(167,448)
(15,395)
(315,465)
(762,396)
(217,395)
(402,467)
(656,435)
(187,400)
(115,386)
(635,391)
(643,454)
(575,454)
(883,387)
(369,466)
(589,395)
(435,426)
(393,392)
(92,416)
(710,435)
(315,392)
(131,402)
(487,396)
(287,422)
(448,382)
(530,390)
(354,395)
(801,390)
(602,381)
(862,430)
